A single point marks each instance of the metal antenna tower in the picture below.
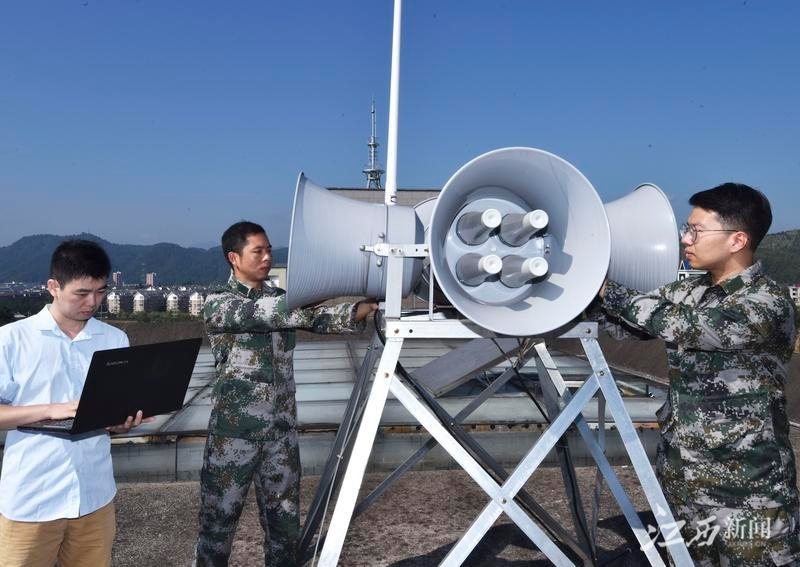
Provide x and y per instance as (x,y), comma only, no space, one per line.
(373,169)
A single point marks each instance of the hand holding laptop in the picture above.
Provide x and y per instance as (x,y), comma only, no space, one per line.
(130,423)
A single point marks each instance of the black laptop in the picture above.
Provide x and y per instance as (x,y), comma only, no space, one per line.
(120,381)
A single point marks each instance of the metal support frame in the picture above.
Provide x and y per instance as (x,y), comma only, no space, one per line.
(579,546)
(502,497)
(436,378)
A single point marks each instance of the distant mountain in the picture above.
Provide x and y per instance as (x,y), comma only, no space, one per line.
(780,253)
(28,260)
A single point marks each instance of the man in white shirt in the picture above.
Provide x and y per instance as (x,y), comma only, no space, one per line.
(56,493)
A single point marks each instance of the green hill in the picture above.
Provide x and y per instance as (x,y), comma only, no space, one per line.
(780,253)
(28,260)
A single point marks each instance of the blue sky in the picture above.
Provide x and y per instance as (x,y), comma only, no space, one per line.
(165,121)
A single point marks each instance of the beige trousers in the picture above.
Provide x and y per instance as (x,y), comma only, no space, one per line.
(78,542)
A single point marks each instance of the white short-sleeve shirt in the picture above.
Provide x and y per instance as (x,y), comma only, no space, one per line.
(46,477)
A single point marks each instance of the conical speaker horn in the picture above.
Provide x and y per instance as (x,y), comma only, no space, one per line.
(423,209)
(644,239)
(554,241)
(326,240)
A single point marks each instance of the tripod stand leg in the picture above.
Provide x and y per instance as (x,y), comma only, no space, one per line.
(638,456)
(357,464)
(329,481)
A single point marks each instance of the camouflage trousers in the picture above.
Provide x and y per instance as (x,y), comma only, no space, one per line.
(746,537)
(229,466)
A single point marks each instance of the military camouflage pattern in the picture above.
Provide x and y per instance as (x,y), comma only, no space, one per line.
(738,536)
(252,429)
(229,466)
(724,429)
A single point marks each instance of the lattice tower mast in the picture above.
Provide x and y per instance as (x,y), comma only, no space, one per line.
(373,170)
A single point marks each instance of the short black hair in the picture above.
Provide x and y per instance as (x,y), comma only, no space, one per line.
(235,237)
(739,207)
(73,259)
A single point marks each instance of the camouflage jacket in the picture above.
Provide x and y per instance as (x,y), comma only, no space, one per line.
(724,425)
(252,338)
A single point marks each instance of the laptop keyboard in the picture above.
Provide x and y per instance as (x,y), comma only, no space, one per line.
(63,423)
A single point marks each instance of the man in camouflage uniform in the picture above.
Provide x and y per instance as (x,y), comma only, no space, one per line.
(724,461)
(252,430)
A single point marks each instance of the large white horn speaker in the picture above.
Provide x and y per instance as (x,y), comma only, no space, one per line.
(644,239)
(552,241)
(326,240)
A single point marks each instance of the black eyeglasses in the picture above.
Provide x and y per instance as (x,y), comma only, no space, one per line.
(691,232)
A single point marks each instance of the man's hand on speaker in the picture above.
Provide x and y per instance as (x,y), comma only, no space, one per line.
(365,308)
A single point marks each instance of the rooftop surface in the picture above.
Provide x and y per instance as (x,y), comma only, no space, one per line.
(170,448)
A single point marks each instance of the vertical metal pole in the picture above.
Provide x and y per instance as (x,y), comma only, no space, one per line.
(390,193)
